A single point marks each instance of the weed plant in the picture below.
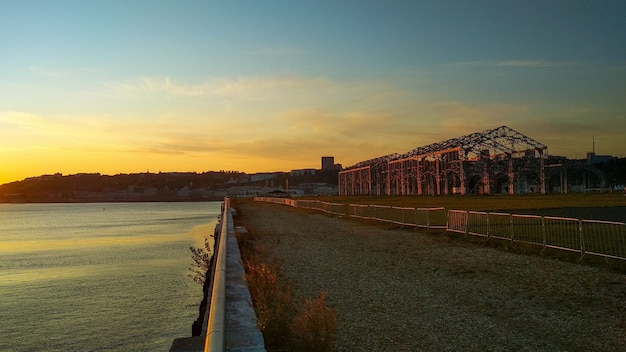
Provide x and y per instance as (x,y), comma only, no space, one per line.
(201,262)
(272,299)
(314,328)
(286,324)
(199,272)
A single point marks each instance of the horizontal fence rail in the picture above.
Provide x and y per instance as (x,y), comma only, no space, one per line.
(430,218)
(605,238)
(563,233)
(593,237)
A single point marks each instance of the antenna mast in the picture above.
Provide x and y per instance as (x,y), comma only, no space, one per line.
(594,144)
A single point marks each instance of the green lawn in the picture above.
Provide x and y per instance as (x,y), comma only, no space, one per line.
(489,203)
(592,237)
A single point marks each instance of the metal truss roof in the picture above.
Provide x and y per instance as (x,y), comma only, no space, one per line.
(376,161)
(497,141)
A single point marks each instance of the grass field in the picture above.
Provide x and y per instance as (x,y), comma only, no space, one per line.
(553,231)
(490,203)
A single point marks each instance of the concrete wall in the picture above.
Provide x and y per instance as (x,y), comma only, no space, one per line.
(241,331)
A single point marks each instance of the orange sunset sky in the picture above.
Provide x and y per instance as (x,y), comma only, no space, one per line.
(255,86)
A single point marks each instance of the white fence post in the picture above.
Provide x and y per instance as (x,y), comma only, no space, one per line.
(543,231)
(582,239)
(512,228)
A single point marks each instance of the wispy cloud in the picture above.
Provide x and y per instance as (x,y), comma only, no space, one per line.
(477,113)
(182,144)
(225,87)
(327,122)
(22,120)
(156,85)
(71,130)
(45,72)
(273,51)
(514,63)
(91,70)
(42,133)
(527,64)
(302,151)
(249,86)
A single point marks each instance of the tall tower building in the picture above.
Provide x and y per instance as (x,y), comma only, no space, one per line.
(328,162)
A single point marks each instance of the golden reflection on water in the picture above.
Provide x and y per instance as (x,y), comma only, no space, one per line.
(198,233)
(39,274)
(18,276)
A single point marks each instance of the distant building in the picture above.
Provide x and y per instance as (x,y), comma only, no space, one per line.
(302,172)
(239,178)
(328,162)
(592,158)
(263,176)
(252,191)
(317,189)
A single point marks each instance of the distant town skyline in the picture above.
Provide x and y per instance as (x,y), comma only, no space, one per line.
(130,86)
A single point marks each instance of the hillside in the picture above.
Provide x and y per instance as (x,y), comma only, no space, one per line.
(121,187)
(151,187)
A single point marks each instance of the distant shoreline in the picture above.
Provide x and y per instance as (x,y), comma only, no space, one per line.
(216,199)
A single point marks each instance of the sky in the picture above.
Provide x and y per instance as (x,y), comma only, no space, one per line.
(259,86)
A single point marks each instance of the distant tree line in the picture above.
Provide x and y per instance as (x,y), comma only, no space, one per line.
(171,186)
(97,187)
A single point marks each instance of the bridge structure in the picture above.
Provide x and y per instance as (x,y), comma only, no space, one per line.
(499,160)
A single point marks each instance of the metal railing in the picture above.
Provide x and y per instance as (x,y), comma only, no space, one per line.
(215,336)
(431,218)
(594,237)
(416,217)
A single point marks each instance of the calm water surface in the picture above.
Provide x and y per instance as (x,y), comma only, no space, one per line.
(99,277)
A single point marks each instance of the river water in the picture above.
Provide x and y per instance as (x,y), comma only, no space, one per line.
(99,277)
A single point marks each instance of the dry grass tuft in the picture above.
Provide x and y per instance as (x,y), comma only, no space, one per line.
(273,301)
(287,325)
(314,328)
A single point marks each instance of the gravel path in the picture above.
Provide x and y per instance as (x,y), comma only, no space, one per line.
(405,290)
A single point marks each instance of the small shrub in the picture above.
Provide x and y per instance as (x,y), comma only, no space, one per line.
(201,262)
(286,325)
(314,328)
(273,301)
(198,271)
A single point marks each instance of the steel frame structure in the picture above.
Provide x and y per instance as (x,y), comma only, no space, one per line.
(563,175)
(366,177)
(492,161)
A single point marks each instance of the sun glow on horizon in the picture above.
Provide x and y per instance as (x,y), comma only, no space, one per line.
(198,86)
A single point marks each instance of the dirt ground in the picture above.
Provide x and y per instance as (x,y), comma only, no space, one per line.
(397,289)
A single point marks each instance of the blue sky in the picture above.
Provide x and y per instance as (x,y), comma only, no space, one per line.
(130,86)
